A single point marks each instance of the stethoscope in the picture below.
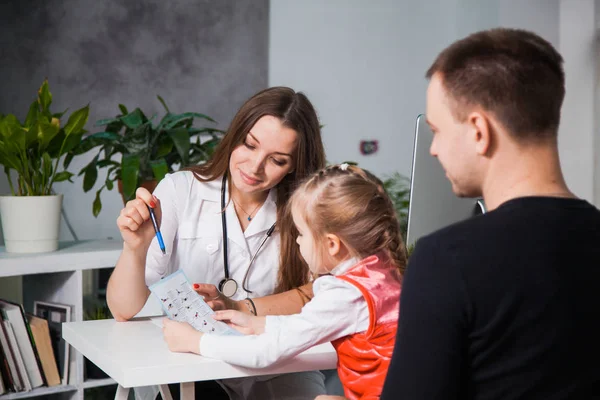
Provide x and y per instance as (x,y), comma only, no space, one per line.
(228,286)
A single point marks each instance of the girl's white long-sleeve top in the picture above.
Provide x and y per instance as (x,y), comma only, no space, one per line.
(337,309)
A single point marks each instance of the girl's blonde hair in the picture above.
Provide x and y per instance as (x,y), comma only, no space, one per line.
(351,203)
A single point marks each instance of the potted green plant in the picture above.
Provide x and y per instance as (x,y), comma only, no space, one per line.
(148,150)
(33,150)
(398,188)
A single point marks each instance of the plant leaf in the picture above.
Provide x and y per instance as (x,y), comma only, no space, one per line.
(56,142)
(196,131)
(44,131)
(210,146)
(96,139)
(133,119)
(44,96)
(181,140)
(67,160)
(106,121)
(60,114)
(107,162)
(109,184)
(10,159)
(159,168)
(198,115)
(123,109)
(47,171)
(77,120)
(181,118)
(130,171)
(71,142)
(97,205)
(32,115)
(91,175)
(63,176)
(164,147)
(14,135)
(164,104)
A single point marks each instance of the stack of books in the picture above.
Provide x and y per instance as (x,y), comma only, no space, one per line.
(32,351)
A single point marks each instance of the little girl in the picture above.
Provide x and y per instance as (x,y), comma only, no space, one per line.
(349,236)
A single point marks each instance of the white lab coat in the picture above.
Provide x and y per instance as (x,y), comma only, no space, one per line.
(192,233)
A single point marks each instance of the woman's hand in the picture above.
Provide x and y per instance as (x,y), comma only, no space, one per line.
(215,299)
(133,221)
(244,323)
(181,337)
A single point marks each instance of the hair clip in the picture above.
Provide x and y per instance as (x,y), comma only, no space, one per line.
(344,166)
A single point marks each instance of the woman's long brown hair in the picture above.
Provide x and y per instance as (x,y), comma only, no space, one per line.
(296,112)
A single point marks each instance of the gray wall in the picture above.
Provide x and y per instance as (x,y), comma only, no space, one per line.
(204,56)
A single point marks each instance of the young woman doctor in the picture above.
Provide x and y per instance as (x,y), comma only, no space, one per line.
(248,250)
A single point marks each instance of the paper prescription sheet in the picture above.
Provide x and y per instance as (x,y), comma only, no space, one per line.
(181,303)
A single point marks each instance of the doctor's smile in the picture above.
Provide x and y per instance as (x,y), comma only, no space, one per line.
(249,180)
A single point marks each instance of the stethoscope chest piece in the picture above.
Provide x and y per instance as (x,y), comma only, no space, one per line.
(228,287)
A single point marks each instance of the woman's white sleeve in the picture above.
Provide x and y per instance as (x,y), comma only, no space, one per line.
(338,309)
(167,193)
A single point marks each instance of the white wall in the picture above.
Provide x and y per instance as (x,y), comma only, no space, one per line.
(577,143)
(363,64)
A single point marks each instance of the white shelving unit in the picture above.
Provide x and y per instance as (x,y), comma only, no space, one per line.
(58,277)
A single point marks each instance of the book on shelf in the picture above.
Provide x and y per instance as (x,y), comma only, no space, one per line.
(5,367)
(41,334)
(14,314)
(18,370)
(31,346)
(55,314)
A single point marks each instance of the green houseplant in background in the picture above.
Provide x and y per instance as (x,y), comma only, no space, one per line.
(33,150)
(398,188)
(149,150)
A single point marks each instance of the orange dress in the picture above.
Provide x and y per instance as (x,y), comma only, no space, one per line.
(364,358)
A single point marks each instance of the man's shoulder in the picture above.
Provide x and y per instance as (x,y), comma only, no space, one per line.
(466,242)
(460,231)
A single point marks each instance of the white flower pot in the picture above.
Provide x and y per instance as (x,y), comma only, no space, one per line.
(30,223)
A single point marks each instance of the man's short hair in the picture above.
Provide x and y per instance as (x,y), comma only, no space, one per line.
(513,74)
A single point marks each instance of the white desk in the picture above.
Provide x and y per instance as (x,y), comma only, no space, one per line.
(134,353)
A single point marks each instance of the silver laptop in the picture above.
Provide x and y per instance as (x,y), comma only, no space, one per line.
(433,204)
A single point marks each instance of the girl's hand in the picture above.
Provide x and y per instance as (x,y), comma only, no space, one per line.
(215,299)
(134,220)
(244,323)
(181,337)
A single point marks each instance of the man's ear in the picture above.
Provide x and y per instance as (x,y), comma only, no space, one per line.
(481,130)
(334,245)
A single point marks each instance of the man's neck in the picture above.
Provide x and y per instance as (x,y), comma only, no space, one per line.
(534,171)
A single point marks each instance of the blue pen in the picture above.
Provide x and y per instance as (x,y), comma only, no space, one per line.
(161,244)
